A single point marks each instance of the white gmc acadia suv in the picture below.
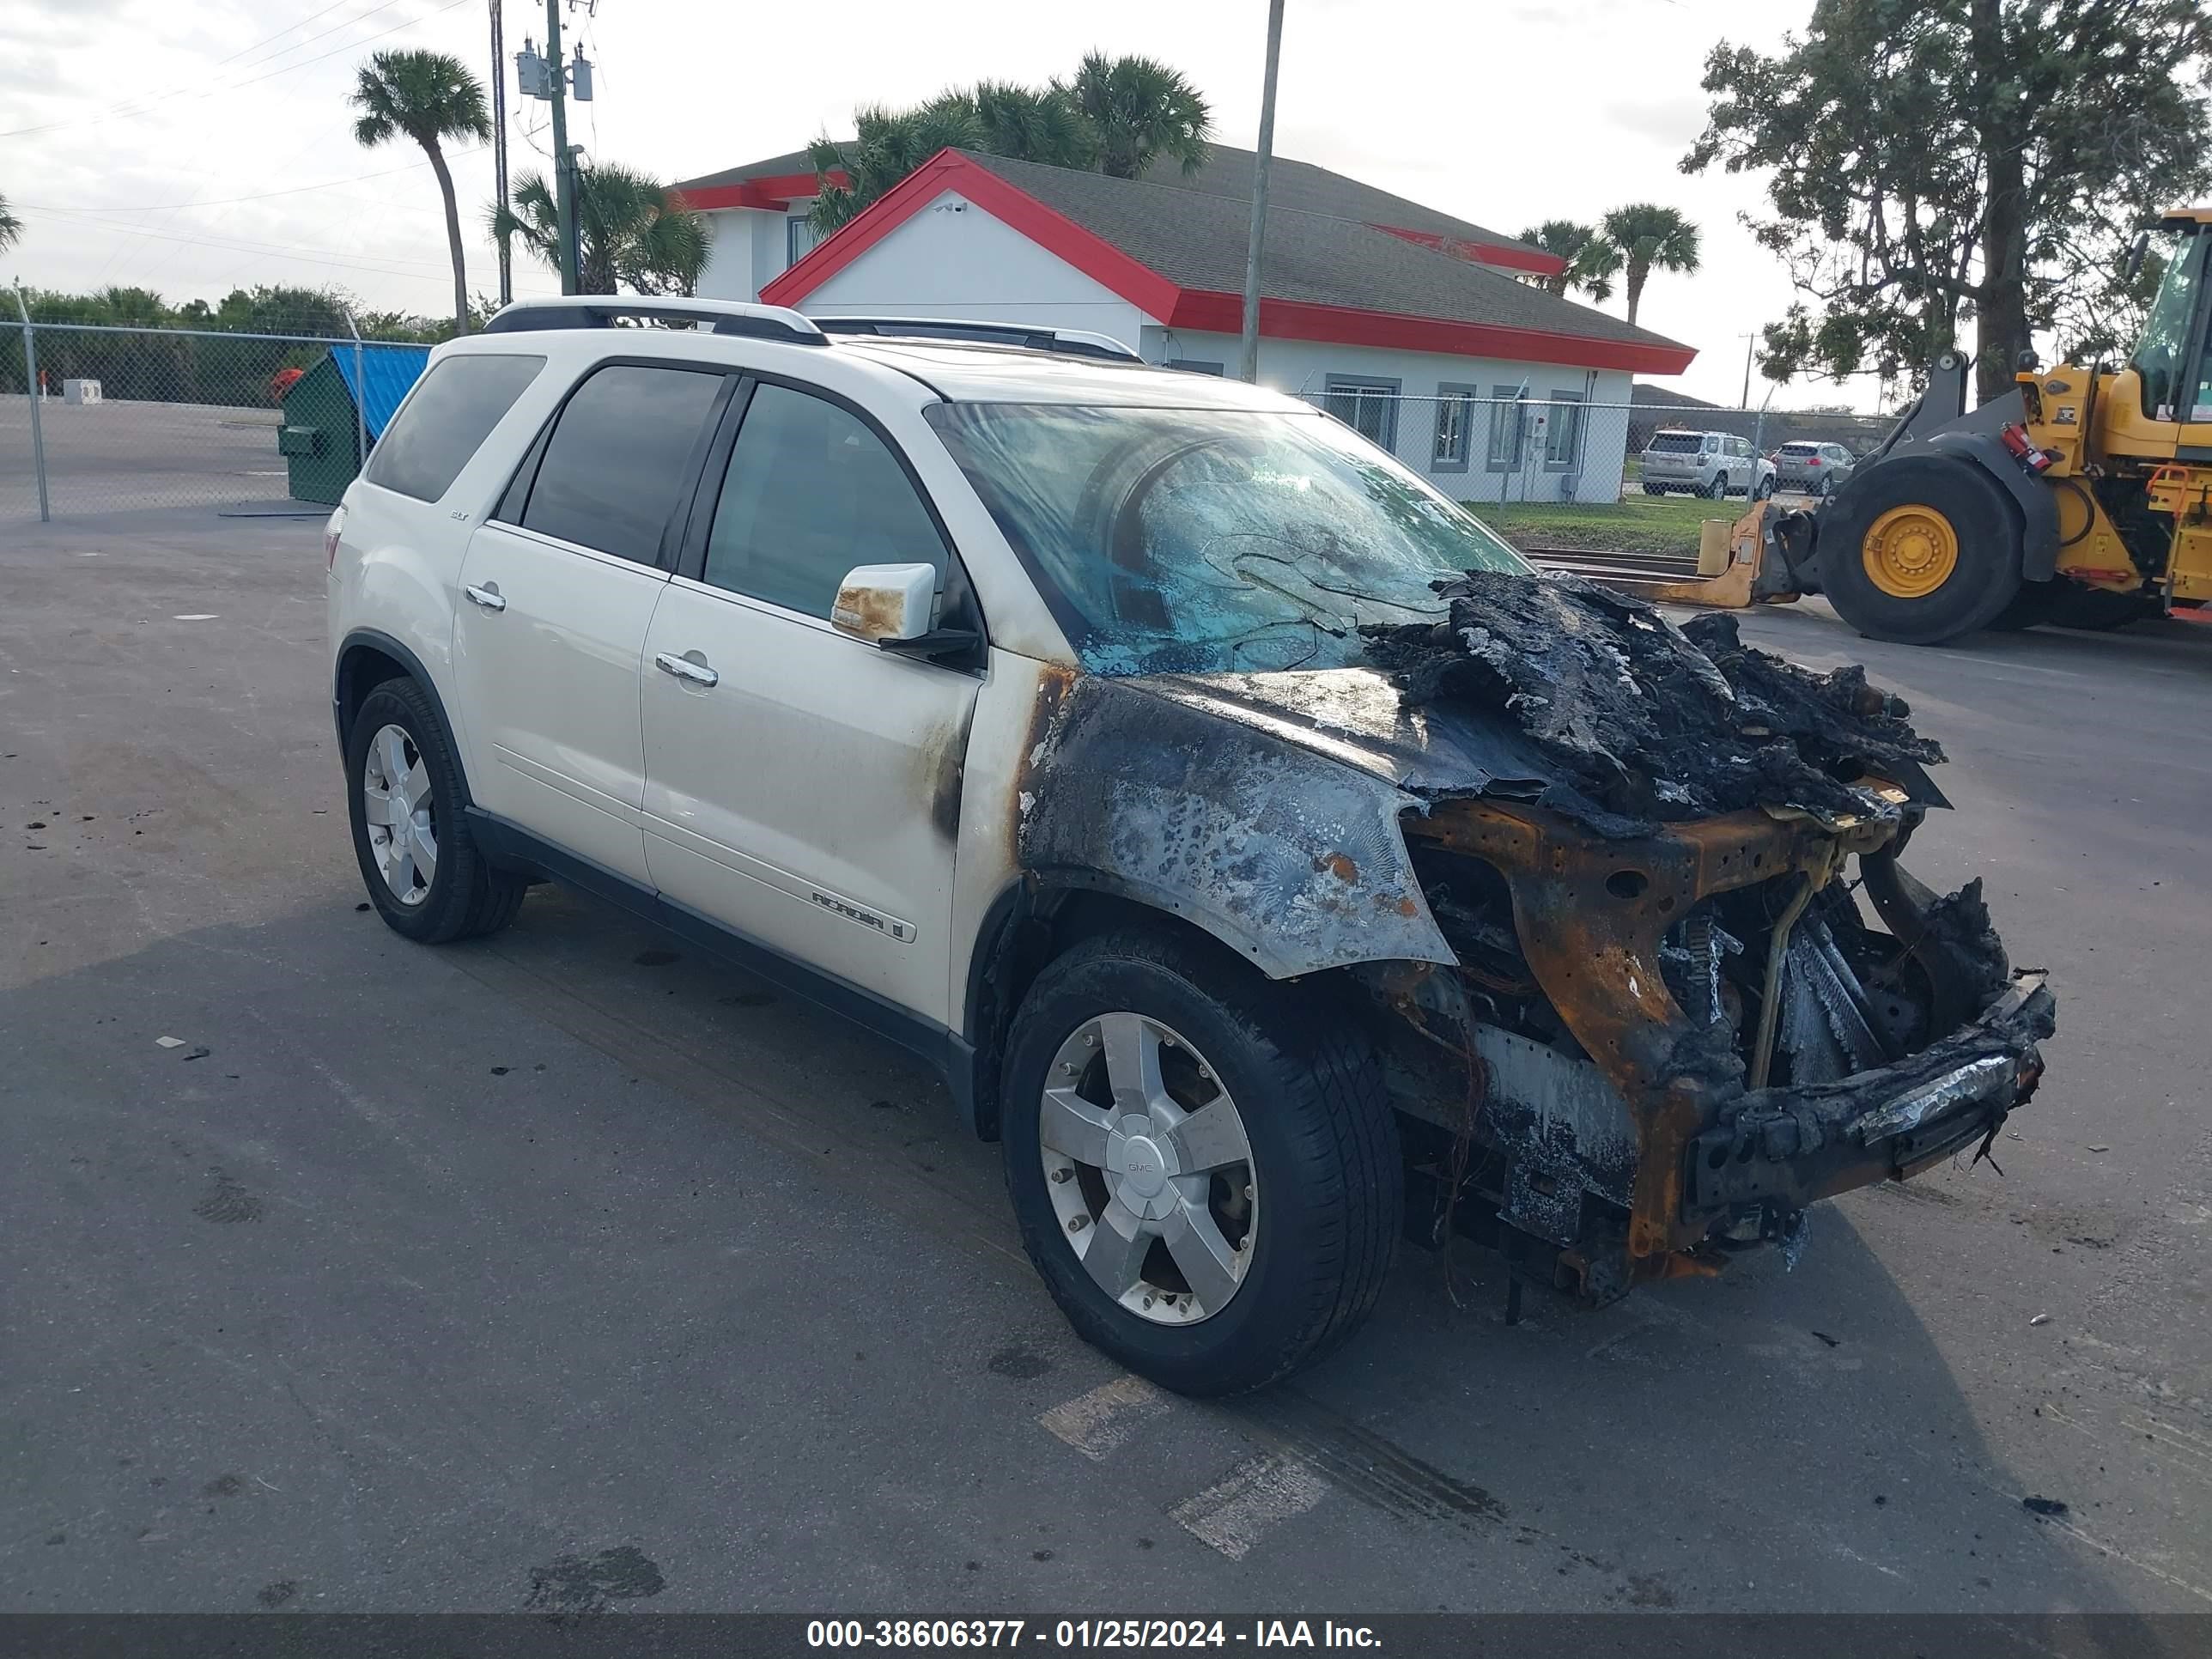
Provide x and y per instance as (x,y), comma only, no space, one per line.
(1009,696)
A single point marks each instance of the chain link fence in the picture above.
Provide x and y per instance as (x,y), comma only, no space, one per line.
(98,418)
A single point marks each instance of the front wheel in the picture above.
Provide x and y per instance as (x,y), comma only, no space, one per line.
(1920,551)
(1204,1164)
(1719,489)
(1766,488)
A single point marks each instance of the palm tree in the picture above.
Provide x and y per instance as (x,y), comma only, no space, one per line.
(1650,238)
(632,231)
(1140,109)
(11,228)
(1029,125)
(1592,259)
(427,96)
(887,145)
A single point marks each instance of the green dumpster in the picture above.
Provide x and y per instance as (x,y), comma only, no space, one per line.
(325,411)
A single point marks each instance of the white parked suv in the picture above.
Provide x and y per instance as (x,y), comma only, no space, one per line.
(1712,464)
(1013,698)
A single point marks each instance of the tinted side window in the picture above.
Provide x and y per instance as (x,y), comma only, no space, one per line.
(619,460)
(811,492)
(446,418)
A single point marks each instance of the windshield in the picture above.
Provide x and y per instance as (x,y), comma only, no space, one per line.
(1206,541)
(2162,356)
(1676,443)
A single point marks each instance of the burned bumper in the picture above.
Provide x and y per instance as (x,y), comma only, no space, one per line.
(1784,1148)
(1645,1106)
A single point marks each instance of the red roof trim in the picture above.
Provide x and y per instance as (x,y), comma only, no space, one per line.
(1484,253)
(1196,308)
(949,170)
(775,191)
(1214,312)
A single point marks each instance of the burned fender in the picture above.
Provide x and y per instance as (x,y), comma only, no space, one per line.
(1291,857)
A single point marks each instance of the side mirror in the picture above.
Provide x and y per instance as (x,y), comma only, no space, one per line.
(886,603)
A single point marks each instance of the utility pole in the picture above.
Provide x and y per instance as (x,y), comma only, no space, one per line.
(564,164)
(499,151)
(1247,367)
(1744,402)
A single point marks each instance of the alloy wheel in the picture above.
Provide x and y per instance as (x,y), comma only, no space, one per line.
(1149,1169)
(402,814)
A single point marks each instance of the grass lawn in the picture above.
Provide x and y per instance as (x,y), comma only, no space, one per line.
(1641,524)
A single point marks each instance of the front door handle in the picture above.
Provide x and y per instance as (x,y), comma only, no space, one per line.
(691,666)
(487,596)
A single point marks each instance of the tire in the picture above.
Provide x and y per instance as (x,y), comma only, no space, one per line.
(1899,518)
(464,896)
(1325,1177)
(2033,604)
(2095,609)
(1766,488)
(1716,489)
(1827,487)
(1653,490)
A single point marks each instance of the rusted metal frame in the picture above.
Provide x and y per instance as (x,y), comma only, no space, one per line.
(1591,915)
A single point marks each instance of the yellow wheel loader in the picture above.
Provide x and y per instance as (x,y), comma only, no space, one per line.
(2083,497)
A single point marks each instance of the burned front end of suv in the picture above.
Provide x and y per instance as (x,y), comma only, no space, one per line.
(1622,904)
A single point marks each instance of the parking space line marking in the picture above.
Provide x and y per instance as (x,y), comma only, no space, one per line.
(1256,1497)
(1097,1422)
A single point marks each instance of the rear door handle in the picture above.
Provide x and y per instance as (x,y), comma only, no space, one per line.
(487,596)
(691,666)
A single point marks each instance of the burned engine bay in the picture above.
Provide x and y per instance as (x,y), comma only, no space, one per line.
(1648,975)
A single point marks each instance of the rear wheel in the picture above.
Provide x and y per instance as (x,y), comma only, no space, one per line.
(1204,1163)
(1719,489)
(2096,608)
(404,796)
(1922,551)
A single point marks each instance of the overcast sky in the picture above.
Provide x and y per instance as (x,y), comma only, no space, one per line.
(191,147)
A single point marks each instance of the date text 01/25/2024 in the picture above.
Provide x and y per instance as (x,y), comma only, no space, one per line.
(1086,1633)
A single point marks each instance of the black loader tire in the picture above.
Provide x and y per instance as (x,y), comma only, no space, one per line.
(1957,499)
(2033,604)
(1309,1089)
(466,897)
(2096,609)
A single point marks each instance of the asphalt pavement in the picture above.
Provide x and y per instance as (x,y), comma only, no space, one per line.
(571,1270)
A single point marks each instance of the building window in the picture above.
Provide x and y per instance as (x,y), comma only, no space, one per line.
(1369,406)
(1454,427)
(799,238)
(1562,437)
(1191,366)
(1506,409)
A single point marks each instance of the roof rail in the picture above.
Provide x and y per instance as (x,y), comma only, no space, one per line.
(600,311)
(1067,342)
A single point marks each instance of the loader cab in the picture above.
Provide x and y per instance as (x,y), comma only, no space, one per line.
(2160,405)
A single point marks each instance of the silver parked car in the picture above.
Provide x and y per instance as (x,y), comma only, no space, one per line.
(1812,469)
(1712,463)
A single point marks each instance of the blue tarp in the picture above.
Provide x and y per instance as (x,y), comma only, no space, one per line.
(390,370)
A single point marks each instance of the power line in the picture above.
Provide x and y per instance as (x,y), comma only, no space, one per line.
(129,113)
(262,196)
(147,102)
(384,267)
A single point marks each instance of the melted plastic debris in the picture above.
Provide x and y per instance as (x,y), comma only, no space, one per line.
(1652,721)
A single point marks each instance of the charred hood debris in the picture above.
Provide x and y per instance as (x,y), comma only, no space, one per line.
(1651,722)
